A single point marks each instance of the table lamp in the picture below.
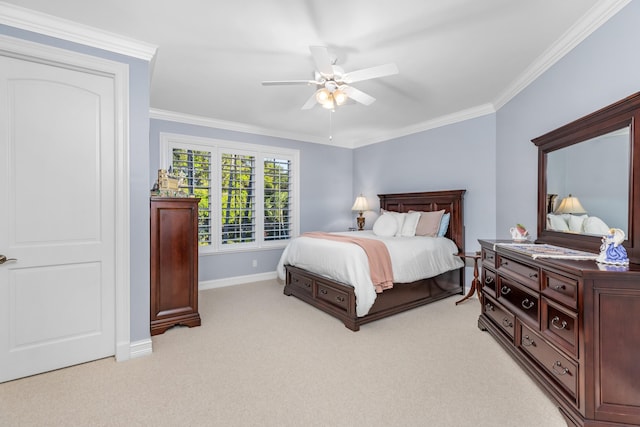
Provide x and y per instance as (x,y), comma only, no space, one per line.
(570,205)
(360,205)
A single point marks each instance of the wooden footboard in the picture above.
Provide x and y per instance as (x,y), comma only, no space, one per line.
(339,300)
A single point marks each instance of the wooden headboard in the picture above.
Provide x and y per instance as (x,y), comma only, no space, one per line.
(451,201)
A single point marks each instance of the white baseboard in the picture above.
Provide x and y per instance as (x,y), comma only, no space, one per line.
(141,348)
(237,280)
(145,347)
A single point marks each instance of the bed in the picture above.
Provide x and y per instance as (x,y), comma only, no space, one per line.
(338,298)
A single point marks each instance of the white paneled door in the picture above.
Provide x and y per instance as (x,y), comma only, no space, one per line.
(57,214)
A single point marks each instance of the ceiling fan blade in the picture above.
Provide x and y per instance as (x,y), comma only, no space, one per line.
(370,73)
(289,82)
(358,95)
(322,60)
(311,102)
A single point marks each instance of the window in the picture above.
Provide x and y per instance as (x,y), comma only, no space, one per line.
(247,192)
(238,203)
(196,165)
(277,222)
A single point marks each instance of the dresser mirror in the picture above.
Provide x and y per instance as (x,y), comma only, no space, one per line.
(587,181)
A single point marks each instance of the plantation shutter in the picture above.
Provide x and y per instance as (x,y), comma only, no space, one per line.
(195,166)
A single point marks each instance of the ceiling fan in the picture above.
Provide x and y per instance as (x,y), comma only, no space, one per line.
(333,85)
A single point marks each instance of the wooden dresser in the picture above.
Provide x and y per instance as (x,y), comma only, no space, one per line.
(572,326)
(174,263)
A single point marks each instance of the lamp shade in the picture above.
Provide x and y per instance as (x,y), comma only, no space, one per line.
(360,204)
(570,205)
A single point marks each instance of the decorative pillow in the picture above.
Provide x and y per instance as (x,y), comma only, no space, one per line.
(385,226)
(429,223)
(399,217)
(594,225)
(557,222)
(575,223)
(410,224)
(444,224)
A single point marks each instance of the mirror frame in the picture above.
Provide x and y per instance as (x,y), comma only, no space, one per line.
(625,112)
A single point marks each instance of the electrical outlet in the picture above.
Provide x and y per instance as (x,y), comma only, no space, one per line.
(254,263)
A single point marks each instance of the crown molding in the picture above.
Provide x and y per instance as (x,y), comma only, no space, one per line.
(41,23)
(459,116)
(190,119)
(590,22)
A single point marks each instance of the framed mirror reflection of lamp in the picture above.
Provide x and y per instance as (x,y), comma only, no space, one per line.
(594,158)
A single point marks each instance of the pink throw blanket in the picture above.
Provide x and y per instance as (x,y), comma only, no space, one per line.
(377,253)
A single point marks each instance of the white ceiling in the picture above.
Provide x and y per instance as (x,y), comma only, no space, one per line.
(457,58)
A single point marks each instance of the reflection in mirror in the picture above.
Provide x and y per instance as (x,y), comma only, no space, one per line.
(600,177)
(588,185)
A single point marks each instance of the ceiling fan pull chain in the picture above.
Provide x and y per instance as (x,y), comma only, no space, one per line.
(330,126)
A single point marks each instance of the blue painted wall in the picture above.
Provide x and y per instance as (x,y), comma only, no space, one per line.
(601,70)
(325,196)
(459,156)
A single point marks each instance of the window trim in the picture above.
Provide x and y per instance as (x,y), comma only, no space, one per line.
(216,147)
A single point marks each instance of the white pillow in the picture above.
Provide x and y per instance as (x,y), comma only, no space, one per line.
(575,223)
(557,222)
(399,217)
(594,225)
(385,226)
(410,223)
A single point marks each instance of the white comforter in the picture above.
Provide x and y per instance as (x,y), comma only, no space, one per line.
(412,258)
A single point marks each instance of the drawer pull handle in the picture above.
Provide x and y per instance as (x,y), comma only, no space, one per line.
(488,307)
(503,263)
(533,275)
(557,371)
(559,287)
(508,323)
(340,299)
(526,304)
(323,291)
(488,280)
(528,342)
(554,323)
(505,289)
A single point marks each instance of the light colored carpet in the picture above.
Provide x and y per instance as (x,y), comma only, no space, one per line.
(261,358)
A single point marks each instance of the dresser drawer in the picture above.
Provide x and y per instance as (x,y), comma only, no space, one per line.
(488,258)
(560,288)
(302,282)
(520,299)
(502,317)
(526,274)
(558,367)
(559,325)
(489,281)
(334,296)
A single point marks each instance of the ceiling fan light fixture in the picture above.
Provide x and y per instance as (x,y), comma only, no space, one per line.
(339,96)
(333,85)
(322,96)
(329,104)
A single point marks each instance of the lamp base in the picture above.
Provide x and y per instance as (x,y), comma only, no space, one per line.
(360,222)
